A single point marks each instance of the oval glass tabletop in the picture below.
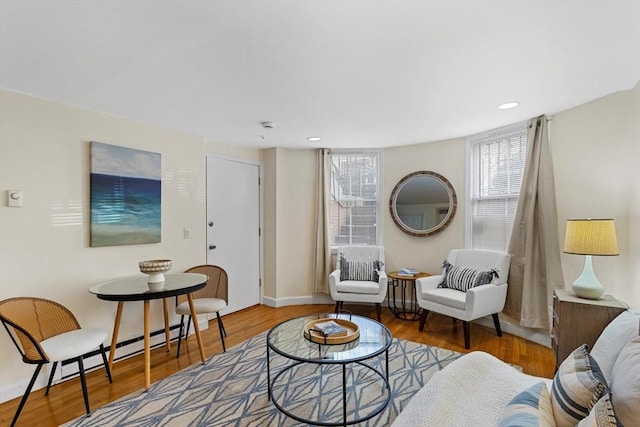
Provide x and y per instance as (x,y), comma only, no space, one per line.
(136,287)
(287,339)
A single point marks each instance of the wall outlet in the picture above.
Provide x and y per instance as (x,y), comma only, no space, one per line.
(186,233)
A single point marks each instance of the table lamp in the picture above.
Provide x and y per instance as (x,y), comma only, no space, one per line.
(590,237)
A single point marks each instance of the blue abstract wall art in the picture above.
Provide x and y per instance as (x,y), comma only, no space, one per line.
(126,196)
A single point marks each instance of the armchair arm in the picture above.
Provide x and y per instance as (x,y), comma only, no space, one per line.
(424,284)
(485,300)
(334,279)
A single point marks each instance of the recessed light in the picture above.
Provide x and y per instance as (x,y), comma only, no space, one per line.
(508,105)
(314,138)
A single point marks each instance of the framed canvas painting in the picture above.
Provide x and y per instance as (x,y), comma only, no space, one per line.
(126,195)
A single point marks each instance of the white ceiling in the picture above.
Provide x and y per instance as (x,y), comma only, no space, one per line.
(357,73)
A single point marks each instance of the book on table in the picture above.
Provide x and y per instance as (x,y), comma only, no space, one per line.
(407,272)
(331,329)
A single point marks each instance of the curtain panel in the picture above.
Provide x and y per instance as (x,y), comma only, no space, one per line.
(534,247)
(322,249)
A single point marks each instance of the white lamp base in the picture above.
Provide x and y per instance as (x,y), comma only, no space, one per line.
(587,285)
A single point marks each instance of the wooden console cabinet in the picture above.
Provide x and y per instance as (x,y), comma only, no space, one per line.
(578,321)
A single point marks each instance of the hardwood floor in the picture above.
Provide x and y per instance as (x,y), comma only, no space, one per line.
(65,402)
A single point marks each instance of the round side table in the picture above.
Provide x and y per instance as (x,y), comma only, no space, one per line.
(407,307)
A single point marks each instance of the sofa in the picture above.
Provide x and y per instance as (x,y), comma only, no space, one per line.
(480,390)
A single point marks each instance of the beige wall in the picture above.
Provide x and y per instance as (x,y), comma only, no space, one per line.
(596,156)
(596,150)
(44,151)
(423,253)
(289,222)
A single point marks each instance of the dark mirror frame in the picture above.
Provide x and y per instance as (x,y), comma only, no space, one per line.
(453,204)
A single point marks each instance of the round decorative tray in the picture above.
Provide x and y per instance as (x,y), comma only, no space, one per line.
(352,332)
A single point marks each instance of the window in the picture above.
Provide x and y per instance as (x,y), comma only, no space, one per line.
(496,167)
(354,205)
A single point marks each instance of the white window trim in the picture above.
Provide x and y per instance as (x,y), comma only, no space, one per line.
(379,189)
(469,141)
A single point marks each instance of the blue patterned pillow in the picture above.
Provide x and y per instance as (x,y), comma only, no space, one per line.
(463,279)
(577,386)
(531,407)
(359,270)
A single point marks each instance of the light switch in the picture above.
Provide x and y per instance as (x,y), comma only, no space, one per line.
(14,198)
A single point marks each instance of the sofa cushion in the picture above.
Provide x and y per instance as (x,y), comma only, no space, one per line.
(616,335)
(601,415)
(577,386)
(625,383)
(532,407)
(359,270)
(471,391)
(463,279)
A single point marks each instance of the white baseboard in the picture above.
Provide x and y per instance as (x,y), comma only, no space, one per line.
(303,300)
(92,363)
(533,335)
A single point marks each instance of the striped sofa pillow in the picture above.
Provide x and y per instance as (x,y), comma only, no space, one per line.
(577,386)
(463,279)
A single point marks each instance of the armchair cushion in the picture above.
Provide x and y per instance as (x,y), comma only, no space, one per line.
(358,287)
(449,297)
(359,270)
(463,279)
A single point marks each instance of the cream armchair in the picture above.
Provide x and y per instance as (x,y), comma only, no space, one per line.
(476,302)
(353,280)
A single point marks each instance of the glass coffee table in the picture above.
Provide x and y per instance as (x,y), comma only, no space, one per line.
(309,382)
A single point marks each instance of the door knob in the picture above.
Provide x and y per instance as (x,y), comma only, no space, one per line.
(212,246)
(210,223)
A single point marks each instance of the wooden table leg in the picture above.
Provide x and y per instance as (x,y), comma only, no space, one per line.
(167,331)
(194,318)
(114,336)
(147,349)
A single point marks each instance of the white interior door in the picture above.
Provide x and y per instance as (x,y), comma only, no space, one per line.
(233,227)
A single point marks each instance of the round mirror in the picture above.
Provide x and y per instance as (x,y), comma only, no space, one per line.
(423,203)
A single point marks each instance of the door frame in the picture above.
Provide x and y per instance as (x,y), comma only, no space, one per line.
(259,164)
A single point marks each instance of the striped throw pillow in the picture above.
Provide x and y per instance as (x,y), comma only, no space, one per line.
(463,279)
(577,386)
(531,407)
(601,415)
(359,270)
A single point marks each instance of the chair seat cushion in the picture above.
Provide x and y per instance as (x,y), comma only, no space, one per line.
(446,296)
(358,287)
(202,305)
(73,344)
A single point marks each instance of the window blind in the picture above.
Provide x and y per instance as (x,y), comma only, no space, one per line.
(496,170)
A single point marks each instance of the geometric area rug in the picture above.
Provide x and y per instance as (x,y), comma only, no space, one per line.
(230,389)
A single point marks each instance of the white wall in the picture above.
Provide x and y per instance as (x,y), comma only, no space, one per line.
(44,151)
(596,156)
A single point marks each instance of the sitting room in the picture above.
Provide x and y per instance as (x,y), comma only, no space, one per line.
(319,213)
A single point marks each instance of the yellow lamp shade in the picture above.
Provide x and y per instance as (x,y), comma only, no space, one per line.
(591,237)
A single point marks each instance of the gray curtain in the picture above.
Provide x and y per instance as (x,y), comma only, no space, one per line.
(322,249)
(535,253)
